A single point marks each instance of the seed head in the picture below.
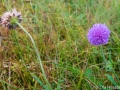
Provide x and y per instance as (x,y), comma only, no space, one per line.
(9,19)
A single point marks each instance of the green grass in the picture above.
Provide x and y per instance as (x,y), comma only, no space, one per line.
(59,29)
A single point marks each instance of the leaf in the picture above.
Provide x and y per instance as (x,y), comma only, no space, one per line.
(16,88)
(109,66)
(74,70)
(81,16)
(39,81)
(88,73)
(111,79)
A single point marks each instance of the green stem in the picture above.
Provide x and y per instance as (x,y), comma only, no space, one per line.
(38,55)
(80,80)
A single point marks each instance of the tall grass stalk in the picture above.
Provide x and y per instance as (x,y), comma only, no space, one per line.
(38,55)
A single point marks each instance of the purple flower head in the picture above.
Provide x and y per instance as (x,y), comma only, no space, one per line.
(98,35)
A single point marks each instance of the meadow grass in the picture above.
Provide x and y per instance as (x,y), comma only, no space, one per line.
(58,29)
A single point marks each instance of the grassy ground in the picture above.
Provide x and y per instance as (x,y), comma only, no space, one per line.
(59,29)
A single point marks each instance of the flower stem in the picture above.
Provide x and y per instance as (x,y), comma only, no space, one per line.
(38,55)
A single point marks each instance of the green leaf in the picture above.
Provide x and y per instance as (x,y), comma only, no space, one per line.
(109,66)
(111,79)
(88,73)
(39,81)
(74,70)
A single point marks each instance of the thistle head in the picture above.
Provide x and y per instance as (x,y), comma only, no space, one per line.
(99,34)
(9,19)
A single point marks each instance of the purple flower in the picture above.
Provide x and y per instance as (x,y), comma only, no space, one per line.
(99,34)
